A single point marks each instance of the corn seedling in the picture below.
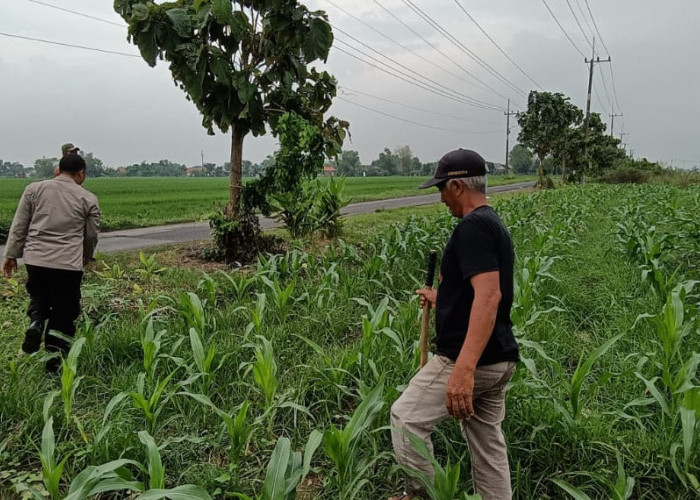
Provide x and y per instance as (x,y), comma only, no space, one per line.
(582,371)
(445,484)
(52,470)
(280,297)
(237,426)
(148,267)
(203,357)
(150,344)
(112,273)
(69,379)
(341,445)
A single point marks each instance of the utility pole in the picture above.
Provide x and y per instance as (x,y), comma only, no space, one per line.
(612,120)
(592,61)
(508,114)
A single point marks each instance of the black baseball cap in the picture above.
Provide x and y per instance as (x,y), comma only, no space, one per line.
(456,164)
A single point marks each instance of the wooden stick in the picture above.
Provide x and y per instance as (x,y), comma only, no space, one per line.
(425,320)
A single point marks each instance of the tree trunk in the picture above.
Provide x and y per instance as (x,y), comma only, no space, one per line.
(563,171)
(540,171)
(236,182)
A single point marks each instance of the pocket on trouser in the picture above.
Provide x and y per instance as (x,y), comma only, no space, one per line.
(431,372)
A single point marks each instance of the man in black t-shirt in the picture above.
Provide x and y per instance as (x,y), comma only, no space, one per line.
(475,348)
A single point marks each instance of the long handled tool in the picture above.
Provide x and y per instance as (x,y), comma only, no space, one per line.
(425,322)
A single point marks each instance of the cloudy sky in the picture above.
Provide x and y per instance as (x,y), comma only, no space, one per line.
(125,112)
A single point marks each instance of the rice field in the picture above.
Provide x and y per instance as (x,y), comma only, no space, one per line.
(150,201)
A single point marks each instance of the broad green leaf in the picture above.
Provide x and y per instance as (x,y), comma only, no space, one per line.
(318,40)
(277,469)
(181,21)
(184,492)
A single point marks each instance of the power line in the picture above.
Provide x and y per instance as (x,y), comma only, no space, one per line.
(600,37)
(602,41)
(585,37)
(452,39)
(404,47)
(406,120)
(411,71)
(585,18)
(452,60)
(78,13)
(563,30)
(409,81)
(496,45)
(408,106)
(69,45)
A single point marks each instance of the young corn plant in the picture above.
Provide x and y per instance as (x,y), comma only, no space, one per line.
(341,446)
(203,358)
(280,297)
(257,315)
(69,379)
(150,345)
(149,267)
(240,284)
(689,414)
(445,484)
(238,426)
(150,405)
(51,469)
(193,311)
(264,370)
(582,371)
(286,469)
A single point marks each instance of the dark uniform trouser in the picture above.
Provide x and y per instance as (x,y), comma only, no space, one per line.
(54,296)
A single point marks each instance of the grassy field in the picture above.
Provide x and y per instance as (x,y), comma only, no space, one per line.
(212,379)
(140,202)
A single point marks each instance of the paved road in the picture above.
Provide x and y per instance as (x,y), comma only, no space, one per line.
(135,239)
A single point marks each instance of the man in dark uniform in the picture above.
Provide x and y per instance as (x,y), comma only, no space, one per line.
(476,351)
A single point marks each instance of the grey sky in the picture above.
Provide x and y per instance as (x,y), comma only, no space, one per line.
(125,112)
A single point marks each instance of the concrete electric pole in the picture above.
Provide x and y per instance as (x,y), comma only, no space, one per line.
(508,114)
(591,62)
(612,120)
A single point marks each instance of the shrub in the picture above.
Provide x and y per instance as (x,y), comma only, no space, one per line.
(240,239)
(626,175)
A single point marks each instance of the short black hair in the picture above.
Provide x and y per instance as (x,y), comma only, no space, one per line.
(72,163)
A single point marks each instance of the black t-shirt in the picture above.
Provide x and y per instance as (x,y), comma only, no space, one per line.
(480,243)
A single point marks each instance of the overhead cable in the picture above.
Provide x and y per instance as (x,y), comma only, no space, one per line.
(483,84)
(107,21)
(419,124)
(408,49)
(411,72)
(410,81)
(496,45)
(408,106)
(69,45)
(563,30)
(452,39)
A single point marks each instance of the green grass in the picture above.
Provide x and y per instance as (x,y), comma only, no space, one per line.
(140,202)
(570,423)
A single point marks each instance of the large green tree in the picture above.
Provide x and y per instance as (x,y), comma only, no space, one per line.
(349,163)
(43,167)
(521,159)
(243,63)
(548,117)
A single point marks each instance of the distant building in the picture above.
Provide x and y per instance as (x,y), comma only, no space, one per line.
(328,171)
(193,171)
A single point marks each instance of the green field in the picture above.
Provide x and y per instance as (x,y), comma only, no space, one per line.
(308,346)
(140,202)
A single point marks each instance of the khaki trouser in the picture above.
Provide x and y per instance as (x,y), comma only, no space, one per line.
(422,405)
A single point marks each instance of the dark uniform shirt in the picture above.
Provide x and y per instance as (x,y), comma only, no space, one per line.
(480,243)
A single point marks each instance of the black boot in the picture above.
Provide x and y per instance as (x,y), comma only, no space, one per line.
(32,337)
